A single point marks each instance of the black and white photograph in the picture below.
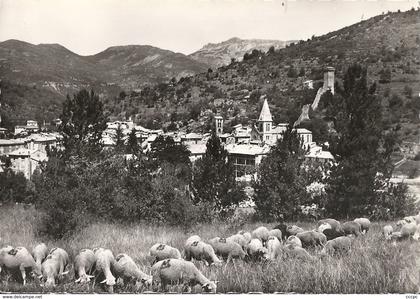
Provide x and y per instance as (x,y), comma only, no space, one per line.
(209,147)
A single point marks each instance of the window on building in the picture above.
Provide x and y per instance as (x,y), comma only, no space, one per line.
(267,127)
(267,137)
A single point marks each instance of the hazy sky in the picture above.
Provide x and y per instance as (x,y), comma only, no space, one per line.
(90,26)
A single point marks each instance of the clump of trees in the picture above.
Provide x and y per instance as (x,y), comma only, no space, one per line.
(83,182)
(358,183)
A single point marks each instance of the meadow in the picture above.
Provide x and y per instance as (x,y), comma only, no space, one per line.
(373,267)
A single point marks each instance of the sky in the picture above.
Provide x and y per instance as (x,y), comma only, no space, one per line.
(87,27)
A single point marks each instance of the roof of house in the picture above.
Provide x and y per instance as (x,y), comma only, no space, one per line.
(192,136)
(4,142)
(247,149)
(265,114)
(317,152)
(303,131)
(197,149)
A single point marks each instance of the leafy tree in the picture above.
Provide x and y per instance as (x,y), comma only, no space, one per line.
(119,139)
(385,75)
(279,188)
(301,72)
(165,149)
(13,187)
(362,147)
(214,182)
(83,122)
(292,73)
(132,146)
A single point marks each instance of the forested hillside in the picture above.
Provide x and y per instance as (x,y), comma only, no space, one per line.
(388,44)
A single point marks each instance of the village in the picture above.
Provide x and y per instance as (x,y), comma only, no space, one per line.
(246,144)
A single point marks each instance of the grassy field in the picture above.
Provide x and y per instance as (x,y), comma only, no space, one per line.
(373,266)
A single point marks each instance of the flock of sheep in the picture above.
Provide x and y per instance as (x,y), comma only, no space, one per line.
(169,266)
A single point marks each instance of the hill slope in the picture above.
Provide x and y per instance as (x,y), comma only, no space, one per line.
(54,72)
(387,44)
(220,54)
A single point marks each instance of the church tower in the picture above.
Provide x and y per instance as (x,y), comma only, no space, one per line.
(265,122)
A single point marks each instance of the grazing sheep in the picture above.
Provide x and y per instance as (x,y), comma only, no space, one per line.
(364,224)
(416,235)
(192,239)
(127,269)
(408,230)
(401,223)
(295,252)
(84,263)
(276,233)
(410,219)
(247,235)
(352,228)
(338,245)
(312,239)
(293,240)
(104,264)
(174,271)
(331,234)
(238,238)
(54,265)
(40,252)
(387,231)
(262,233)
(335,225)
(256,250)
(162,251)
(228,250)
(201,251)
(283,228)
(273,247)
(324,226)
(292,230)
(20,259)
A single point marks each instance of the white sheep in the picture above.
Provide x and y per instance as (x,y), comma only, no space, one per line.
(162,251)
(174,271)
(273,247)
(20,259)
(192,239)
(275,233)
(416,235)
(337,245)
(84,263)
(293,230)
(291,251)
(104,263)
(293,240)
(201,251)
(238,238)
(247,235)
(256,250)
(54,266)
(387,231)
(228,250)
(261,233)
(324,226)
(335,225)
(408,230)
(127,269)
(40,252)
(364,223)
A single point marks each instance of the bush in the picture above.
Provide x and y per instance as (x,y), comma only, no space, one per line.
(14,188)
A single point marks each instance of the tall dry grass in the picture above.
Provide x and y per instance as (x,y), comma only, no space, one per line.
(373,266)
